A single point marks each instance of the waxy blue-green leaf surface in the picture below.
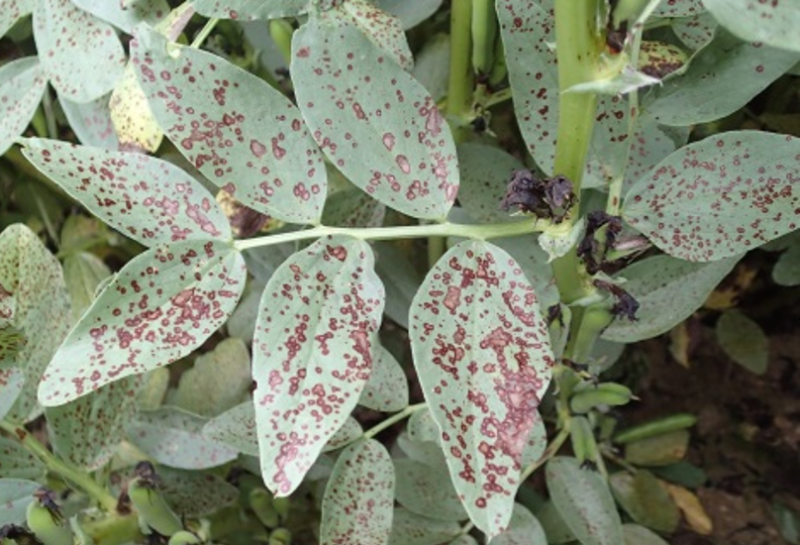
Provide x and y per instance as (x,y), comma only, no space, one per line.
(248,10)
(241,133)
(236,427)
(375,122)
(353,208)
(126,17)
(11,10)
(400,278)
(16,462)
(22,84)
(719,197)
(81,55)
(87,431)
(194,493)
(148,199)
(427,490)
(678,8)
(639,535)
(584,501)
(91,122)
(721,78)
(482,354)
(773,22)
(33,305)
(387,387)
(787,269)
(523,529)
(174,437)
(83,274)
(411,529)
(12,380)
(695,31)
(743,340)
(312,353)
(161,306)
(15,495)
(668,291)
(485,172)
(359,499)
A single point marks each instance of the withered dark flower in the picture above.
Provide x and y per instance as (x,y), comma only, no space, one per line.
(593,248)
(624,303)
(546,199)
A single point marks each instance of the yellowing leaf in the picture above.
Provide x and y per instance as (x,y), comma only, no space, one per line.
(692,509)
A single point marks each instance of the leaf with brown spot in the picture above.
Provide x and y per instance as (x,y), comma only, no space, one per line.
(17,463)
(312,353)
(91,122)
(482,353)
(427,490)
(148,199)
(524,529)
(375,122)
(242,134)
(249,10)
(126,17)
(22,84)
(81,55)
(196,494)
(719,197)
(162,305)
(11,10)
(87,431)
(774,23)
(411,529)
(358,502)
(12,380)
(387,388)
(15,495)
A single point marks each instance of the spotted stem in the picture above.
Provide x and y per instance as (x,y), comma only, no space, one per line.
(480,232)
(60,467)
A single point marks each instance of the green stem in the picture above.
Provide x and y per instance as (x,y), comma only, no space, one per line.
(69,472)
(552,449)
(49,115)
(459,86)
(482,232)
(392,420)
(204,32)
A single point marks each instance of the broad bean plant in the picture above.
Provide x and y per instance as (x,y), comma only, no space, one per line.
(223,384)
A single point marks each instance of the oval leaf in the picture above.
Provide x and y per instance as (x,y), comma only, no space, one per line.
(523,529)
(128,16)
(91,122)
(375,122)
(358,502)
(412,529)
(584,501)
(22,84)
(17,463)
(668,291)
(248,10)
(242,134)
(485,172)
(15,495)
(645,499)
(11,10)
(773,23)
(81,54)
(719,197)
(87,431)
(639,535)
(427,490)
(387,388)
(162,305)
(743,341)
(196,494)
(235,427)
(173,437)
(482,354)
(312,352)
(11,383)
(150,200)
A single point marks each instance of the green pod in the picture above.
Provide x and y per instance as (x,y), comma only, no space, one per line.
(282,506)
(81,537)
(499,66)
(281,32)
(261,502)
(484,34)
(661,426)
(280,536)
(47,525)
(152,507)
(607,393)
(184,537)
(579,435)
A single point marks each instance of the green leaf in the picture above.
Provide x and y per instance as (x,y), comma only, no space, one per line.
(427,452)
(660,450)
(482,355)
(787,269)
(387,388)
(315,333)
(32,284)
(743,341)
(22,84)
(248,10)
(353,208)
(148,199)
(721,78)
(17,463)
(696,31)
(346,434)
(466,539)
(432,65)
(12,381)
(527,30)
(719,197)
(195,494)
(411,529)
(375,122)
(173,437)
(162,305)
(358,502)
(427,490)
(584,501)
(639,535)
(679,8)
(682,473)
(15,495)
(524,529)
(218,381)
(788,522)
(87,431)
(646,500)
(81,55)
(553,524)
(400,278)
(485,172)
(83,273)
(126,18)
(236,428)
(668,291)
(235,128)
(11,10)
(410,13)
(91,122)
(773,23)
(153,390)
